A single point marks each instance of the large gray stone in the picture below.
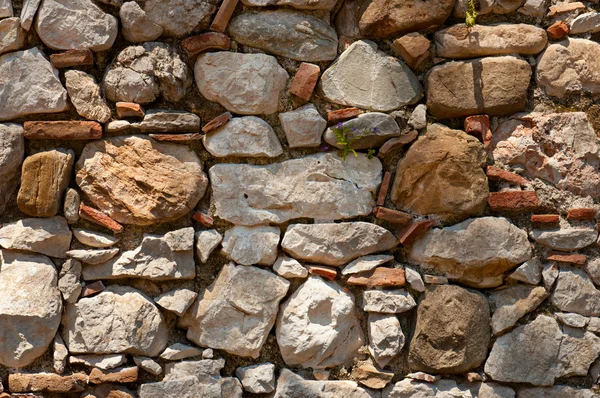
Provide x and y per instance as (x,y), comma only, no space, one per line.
(371,130)
(291,385)
(12,151)
(575,292)
(49,236)
(180,17)
(565,239)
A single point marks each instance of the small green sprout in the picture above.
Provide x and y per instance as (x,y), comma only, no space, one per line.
(471,13)
(345,140)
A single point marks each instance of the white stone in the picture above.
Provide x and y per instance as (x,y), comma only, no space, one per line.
(366,263)
(178,351)
(414,279)
(418,117)
(12,151)
(529,272)
(137,25)
(86,96)
(6,8)
(550,275)
(289,268)
(104,362)
(578,349)
(565,239)
(94,238)
(585,23)
(303,127)
(385,337)
(575,292)
(206,243)
(28,12)
(257,379)
(177,301)
(93,257)
(251,245)
(180,17)
(59,354)
(12,35)
(68,282)
(291,385)
(388,301)
(441,389)
(50,236)
(148,364)
(117,126)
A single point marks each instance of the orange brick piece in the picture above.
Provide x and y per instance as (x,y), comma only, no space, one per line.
(558,30)
(96,216)
(320,270)
(513,200)
(203,219)
(545,218)
(223,16)
(496,173)
(479,126)
(194,45)
(217,122)
(574,258)
(407,234)
(393,216)
(385,187)
(72,58)
(582,214)
(122,375)
(305,80)
(342,114)
(47,382)
(381,276)
(177,137)
(92,288)
(413,48)
(129,109)
(63,130)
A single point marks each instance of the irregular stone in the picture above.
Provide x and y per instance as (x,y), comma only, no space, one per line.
(247,136)
(49,236)
(575,292)
(557,391)
(326,5)
(317,327)
(592,268)
(289,268)
(123,375)
(191,387)
(28,12)
(549,275)
(418,117)
(68,282)
(439,389)
(584,23)
(137,27)
(442,175)
(578,349)
(178,17)
(305,80)
(178,351)
(369,130)
(513,303)
(117,126)
(320,186)
(94,238)
(257,379)
(366,263)
(248,84)
(197,44)
(367,78)
(414,279)
(12,35)
(177,301)
(371,377)
(118,320)
(92,288)
(206,243)
(46,382)
(251,245)
(158,257)
(75,25)
(567,239)
(30,307)
(148,364)
(93,256)
(63,130)
(528,272)
(303,126)
(237,311)
(217,122)
(72,58)
(385,337)
(388,301)
(291,34)
(104,362)
(59,355)
(558,30)
(291,385)
(203,370)
(12,151)
(136,180)
(86,97)
(166,121)
(572,320)
(490,390)
(6,9)
(534,8)
(414,48)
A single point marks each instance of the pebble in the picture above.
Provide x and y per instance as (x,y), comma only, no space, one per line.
(303,126)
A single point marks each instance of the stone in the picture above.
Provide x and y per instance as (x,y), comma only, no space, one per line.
(379,277)
(336,243)
(12,35)
(388,301)
(529,272)
(303,127)
(94,238)
(92,288)
(257,379)
(149,181)
(512,359)
(237,311)
(326,5)
(137,27)
(513,201)
(44,94)
(371,377)
(71,25)
(289,268)
(368,130)
(317,327)
(488,7)
(158,257)
(386,339)
(197,44)
(490,390)
(177,138)
(167,121)
(319,186)
(248,84)
(512,303)
(104,362)
(556,391)
(68,282)
(93,257)
(440,389)
(203,370)
(129,109)
(30,307)
(442,175)
(558,30)
(28,12)
(179,18)
(122,375)
(592,268)
(573,258)
(206,243)
(366,263)
(572,320)
(418,117)
(118,126)
(565,239)
(118,320)
(217,122)
(578,349)
(49,236)
(178,351)
(12,151)
(141,73)
(305,80)
(247,136)
(588,22)
(6,9)
(329,273)
(459,41)
(533,8)
(395,217)
(46,382)
(177,301)
(451,335)
(339,115)
(86,97)
(414,279)
(148,364)
(59,355)
(291,385)
(367,78)
(71,58)
(97,217)
(190,386)
(550,274)
(292,34)
(251,245)
(413,48)
(475,252)
(575,292)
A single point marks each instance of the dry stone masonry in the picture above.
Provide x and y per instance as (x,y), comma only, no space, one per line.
(299,199)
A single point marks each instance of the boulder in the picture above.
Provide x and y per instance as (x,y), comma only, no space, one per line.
(575,292)
(137,25)
(49,236)
(513,303)
(386,339)
(251,245)
(291,385)
(86,96)
(12,35)
(179,18)
(369,130)
(12,151)
(303,126)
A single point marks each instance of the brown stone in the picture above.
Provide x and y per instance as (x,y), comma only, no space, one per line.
(371,377)
(321,270)
(223,16)
(582,214)
(558,30)
(203,219)
(393,216)
(379,277)
(63,130)
(45,177)
(513,201)
(72,58)
(435,279)
(496,173)
(305,80)
(545,218)
(340,115)
(575,258)
(129,109)
(47,382)
(422,376)
(479,126)
(413,48)
(97,217)
(408,233)
(195,45)
(122,375)
(217,122)
(177,137)
(92,288)
(396,143)
(108,391)
(384,188)
(562,8)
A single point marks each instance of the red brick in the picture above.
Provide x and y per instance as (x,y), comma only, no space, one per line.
(320,270)
(129,109)
(62,130)
(413,48)
(545,218)
(479,126)
(96,216)
(342,114)
(122,375)
(305,80)
(573,258)
(397,142)
(72,58)
(582,214)
(381,276)
(407,234)
(496,173)
(513,200)
(194,45)
(393,216)
(47,382)
(92,288)
(177,137)
(385,187)
(558,30)
(203,219)
(217,122)
(223,16)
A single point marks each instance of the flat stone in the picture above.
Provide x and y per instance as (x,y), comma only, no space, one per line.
(247,84)
(247,136)
(46,382)
(148,364)
(179,18)
(588,22)
(137,27)
(367,78)
(368,130)
(578,349)
(177,301)
(326,5)
(529,272)
(12,35)
(49,236)
(371,377)
(575,292)
(320,186)
(30,307)
(190,386)
(237,311)
(123,375)
(303,126)
(289,268)
(104,362)
(149,182)
(203,370)
(257,379)
(388,301)
(288,33)
(93,257)
(68,282)
(414,279)
(118,320)
(318,327)
(12,151)
(178,351)
(158,257)
(290,385)
(86,96)
(567,239)
(72,58)
(206,243)
(366,263)
(557,391)
(251,245)
(63,130)
(513,303)
(94,238)
(168,121)
(440,389)
(572,320)
(386,339)
(81,25)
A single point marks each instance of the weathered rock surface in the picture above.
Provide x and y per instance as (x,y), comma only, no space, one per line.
(336,244)
(584,23)
(291,385)
(327,5)
(177,301)
(257,379)
(49,236)
(575,292)
(514,302)
(556,391)
(385,337)
(104,362)
(492,85)
(12,151)
(388,301)
(28,12)
(251,245)
(578,349)
(179,17)
(292,34)
(206,243)
(366,263)
(86,96)
(94,238)
(529,272)
(567,239)
(136,180)
(320,186)
(289,268)
(439,389)
(30,307)
(75,25)
(118,320)
(12,35)
(370,79)
(68,282)
(490,7)
(373,128)
(237,311)
(137,25)
(179,351)
(247,136)
(317,326)
(169,121)
(93,257)
(248,84)
(442,175)
(303,126)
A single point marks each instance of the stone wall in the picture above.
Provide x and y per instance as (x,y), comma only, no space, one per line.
(299,199)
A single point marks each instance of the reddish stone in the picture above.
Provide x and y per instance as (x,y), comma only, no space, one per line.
(558,30)
(203,219)
(545,218)
(72,58)
(217,122)
(122,375)
(479,126)
(397,142)
(413,48)
(582,214)
(385,187)
(393,216)
(96,216)
(223,16)
(92,288)
(574,258)
(513,200)
(474,377)
(407,234)
(47,382)
(562,8)
(381,276)
(496,173)
(305,80)
(63,130)
(176,137)
(342,114)
(129,109)
(325,272)
(194,45)
(435,280)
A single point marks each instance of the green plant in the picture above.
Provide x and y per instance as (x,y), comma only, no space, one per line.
(471,13)
(370,153)
(345,139)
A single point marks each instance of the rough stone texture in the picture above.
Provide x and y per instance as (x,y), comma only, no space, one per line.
(257,379)
(366,263)
(289,268)
(493,85)
(568,239)
(248,84)
(86,97)
(12,151)
(317,326)
(291,385)
(178,17)
(514,302)
(528,272)
(320,186)
(303,126)
(12,35)
(584,23)
(119,320)
(578,349)
(149,181)
(327,5)
(206,243)
(49,236)
(94,238)
(251,245)
(370,79)
(237,311)
(442,175)
(177,301)
(93,256)
(137,25)
(388,301)
(104,362)
(556,391)
(169,121)
(373,128)
(385,337)
(68,282)
(575,292)
(179,351)
(30,307)
(412,388)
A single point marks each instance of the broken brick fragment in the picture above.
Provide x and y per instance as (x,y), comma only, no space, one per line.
(217,122)
(379,277)
(408,233)
(320,270)
(384,188)
(223,16)
(197,44)
(129,109)
(558,30)
(393,216)
(72,58)
(305,80)
(92,288)
(122,375)
(340,115)
(573,258)
(545,218)
(513,201)
(496,173)
(96,216)
(62,130)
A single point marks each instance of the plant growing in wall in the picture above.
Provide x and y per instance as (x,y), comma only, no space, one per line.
(471,13)
(345,138)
